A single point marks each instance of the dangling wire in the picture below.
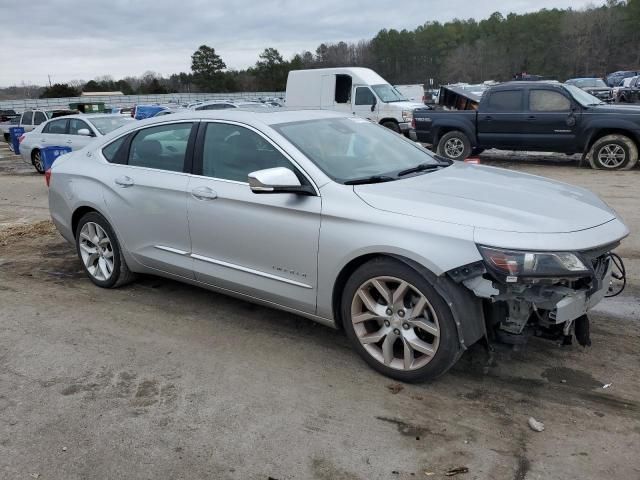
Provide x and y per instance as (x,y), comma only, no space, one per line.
(621,274)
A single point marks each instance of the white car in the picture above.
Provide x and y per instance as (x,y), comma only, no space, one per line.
(74,131)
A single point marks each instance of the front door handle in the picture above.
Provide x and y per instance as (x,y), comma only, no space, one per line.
(124,181)
(531,117)
(204,193)
(69,142)
(488,118)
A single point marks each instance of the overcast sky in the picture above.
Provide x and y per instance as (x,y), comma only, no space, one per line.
(71,39)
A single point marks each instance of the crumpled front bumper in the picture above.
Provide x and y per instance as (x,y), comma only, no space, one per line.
(578,302)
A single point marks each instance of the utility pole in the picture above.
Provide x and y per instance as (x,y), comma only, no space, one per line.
(49,80)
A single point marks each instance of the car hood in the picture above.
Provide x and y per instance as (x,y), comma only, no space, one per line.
(490,198)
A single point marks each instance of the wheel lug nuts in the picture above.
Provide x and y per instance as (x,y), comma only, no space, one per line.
(396,331)
(405,326)
(401,313)
(387,323)
(389,311)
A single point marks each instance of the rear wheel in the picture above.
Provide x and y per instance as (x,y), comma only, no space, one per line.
(100,253)
(454,145)
(397,322)
(613,152)
(36,160)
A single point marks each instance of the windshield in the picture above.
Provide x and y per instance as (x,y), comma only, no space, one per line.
(108,124)
(588,83)
(387,93)
(583,98)
(352,148)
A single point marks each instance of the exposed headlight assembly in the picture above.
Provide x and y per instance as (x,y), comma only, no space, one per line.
(515,264)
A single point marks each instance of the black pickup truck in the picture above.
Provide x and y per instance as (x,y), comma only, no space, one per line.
(536,116)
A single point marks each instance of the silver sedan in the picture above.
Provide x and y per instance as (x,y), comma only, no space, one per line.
(74,131)
(342,221)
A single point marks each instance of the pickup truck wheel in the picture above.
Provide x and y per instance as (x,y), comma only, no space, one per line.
(454,145)
(392,126)
(613,152)
(36,160)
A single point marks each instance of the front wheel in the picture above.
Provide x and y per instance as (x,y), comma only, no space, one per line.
(392,126)
(613,152)
(398,323)
(100,253)
(454,145)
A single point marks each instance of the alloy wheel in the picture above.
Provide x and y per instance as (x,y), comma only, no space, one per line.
(37,161)
(454,147)
(96,251)
(611,156)
(395,323)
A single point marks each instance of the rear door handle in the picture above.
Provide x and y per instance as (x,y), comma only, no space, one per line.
(204,193)
(531,117)
(488,118)
(125,181)
(69,141)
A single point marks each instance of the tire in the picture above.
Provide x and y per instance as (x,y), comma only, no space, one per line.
(613,152)
(119,273)
(36,161)
(392,126)
(394,331)
(454,145)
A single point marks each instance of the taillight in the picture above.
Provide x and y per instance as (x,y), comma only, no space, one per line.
(413,123)
(47,177)
(21,139)
(133,112)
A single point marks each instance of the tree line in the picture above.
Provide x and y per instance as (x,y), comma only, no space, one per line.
(555,43)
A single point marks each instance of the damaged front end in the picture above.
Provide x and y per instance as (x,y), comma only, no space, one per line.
(540,293)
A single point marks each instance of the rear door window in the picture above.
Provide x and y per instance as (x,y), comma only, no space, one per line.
(505,101)
(163,147)
(58,127)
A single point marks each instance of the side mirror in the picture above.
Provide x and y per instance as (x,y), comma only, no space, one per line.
(85,132)
(277,180)
(375,102)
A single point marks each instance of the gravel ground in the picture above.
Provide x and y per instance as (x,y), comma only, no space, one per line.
(163,380)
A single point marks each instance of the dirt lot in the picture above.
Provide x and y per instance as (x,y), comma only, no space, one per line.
(160,380)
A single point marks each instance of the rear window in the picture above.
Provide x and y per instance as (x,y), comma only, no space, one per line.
(505,101)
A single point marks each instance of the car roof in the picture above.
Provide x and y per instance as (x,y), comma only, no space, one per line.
(525,83)
(257,115)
